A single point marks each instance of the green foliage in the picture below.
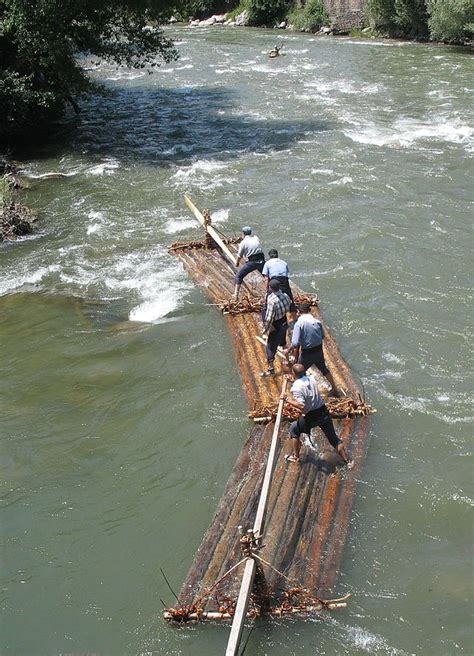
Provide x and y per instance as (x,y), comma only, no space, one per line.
(411,16)
(451,20)
(381,13)
(40,43)
(265,13)
(242,6)
(186,9)
(309,17)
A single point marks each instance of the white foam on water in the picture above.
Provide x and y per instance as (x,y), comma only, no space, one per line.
(203,174)
(39,176)
(176,68)
(364,640)
(179,225)
(108,167)
(327,272)
(265,68)
(97,224)
(22,278)
(160,289)
(178,148)
(322,171)
(370,642)
(126,76)
(458,497)
(391,357)
(220,216)
(407,132)
(342,181)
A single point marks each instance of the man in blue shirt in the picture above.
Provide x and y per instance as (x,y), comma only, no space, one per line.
(251,249)
(307,342)
(277,269)
(306,399)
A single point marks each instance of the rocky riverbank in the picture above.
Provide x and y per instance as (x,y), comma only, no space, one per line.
(16,220)
(337,27)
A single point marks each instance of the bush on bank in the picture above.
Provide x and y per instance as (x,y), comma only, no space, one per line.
(311,16)
(441,20)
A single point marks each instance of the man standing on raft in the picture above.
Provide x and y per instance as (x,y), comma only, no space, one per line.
(307,400)
(307,339)
(275,323)
(251,249)
(277,269)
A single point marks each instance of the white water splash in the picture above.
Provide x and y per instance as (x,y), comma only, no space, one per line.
(407,132)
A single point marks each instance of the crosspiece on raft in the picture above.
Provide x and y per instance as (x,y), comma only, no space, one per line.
(200,244)
(248,304)
(293,601)
(339,408)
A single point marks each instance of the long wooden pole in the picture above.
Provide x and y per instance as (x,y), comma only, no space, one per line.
(214,234)
(251,565)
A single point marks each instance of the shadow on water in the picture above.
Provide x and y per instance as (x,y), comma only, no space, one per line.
(161,127)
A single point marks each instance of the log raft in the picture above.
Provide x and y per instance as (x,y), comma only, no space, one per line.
(309,504)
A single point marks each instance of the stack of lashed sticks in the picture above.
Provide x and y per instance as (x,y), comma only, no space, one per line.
(200,243)
(250,304)
(339,408)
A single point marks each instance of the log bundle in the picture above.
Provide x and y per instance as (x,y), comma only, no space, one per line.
(309,504)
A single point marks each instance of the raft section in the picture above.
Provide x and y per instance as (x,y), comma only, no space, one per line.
(309,505)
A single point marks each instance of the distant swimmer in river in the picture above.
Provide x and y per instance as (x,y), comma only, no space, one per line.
(275,52)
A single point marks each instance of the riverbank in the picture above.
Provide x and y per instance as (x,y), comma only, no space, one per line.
(359,31)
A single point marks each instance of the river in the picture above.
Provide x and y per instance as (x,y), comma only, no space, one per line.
(122,408)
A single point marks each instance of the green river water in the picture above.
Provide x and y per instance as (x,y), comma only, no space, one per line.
(122,409)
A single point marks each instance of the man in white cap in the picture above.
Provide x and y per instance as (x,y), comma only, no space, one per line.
(251,249)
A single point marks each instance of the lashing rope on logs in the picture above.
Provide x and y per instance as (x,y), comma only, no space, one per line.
(293,600)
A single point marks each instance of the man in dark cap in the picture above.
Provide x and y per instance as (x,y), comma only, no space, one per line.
(307,341)
(275,323)
(251,249)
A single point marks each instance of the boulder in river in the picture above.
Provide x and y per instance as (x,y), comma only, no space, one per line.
(15,221)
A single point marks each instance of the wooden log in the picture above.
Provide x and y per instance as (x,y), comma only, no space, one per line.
(209,229)
(251,565)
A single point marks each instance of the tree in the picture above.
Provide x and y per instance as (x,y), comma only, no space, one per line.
(451,20)
(41,42)
(411,16)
